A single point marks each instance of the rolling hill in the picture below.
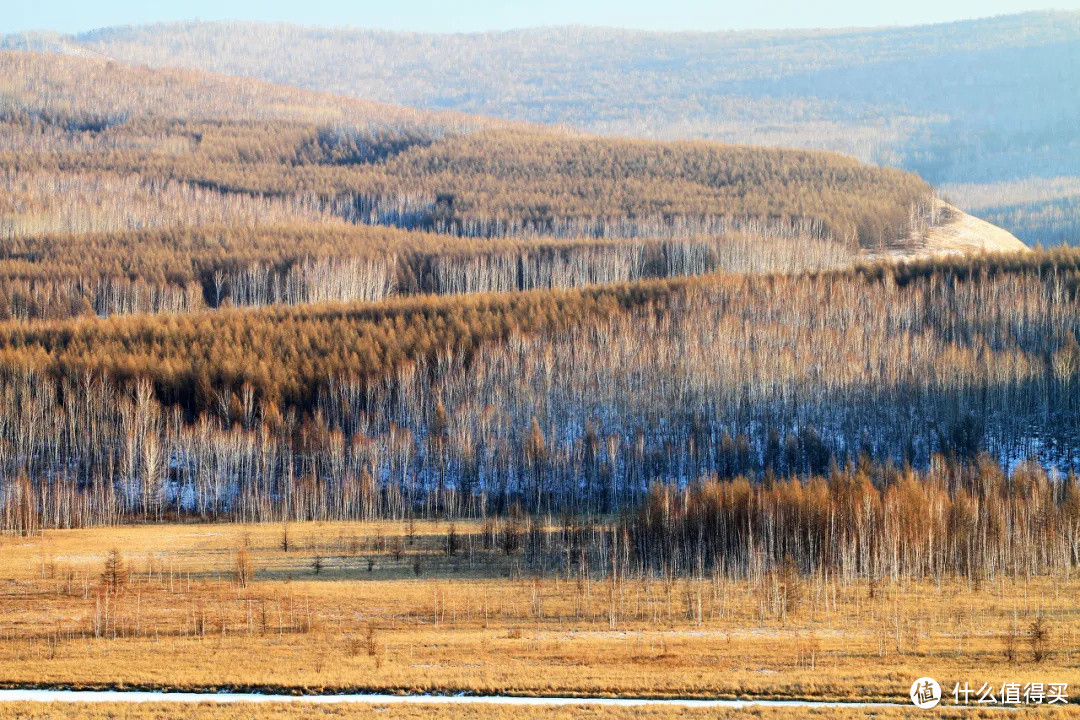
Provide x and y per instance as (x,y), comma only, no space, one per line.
(973,106)
(185,182)
(68,114)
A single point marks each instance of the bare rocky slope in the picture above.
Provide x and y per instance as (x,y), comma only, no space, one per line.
(955,233)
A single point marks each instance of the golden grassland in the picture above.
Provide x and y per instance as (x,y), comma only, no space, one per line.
(161,711)
(377,607)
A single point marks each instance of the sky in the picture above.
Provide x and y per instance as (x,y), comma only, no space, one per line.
(478,15)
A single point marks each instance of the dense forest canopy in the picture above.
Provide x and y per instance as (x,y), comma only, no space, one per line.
(546,400)
(287,354)
(472,181)
(184,269)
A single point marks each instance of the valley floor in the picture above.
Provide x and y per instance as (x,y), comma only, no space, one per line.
(382,607)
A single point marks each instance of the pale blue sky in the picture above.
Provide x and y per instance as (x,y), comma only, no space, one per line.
(471,15)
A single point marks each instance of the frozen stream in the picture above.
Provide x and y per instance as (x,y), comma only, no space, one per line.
(137,696)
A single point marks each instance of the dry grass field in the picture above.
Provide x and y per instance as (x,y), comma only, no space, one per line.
(954,234)
(961,233)
(475,712)
(382,607)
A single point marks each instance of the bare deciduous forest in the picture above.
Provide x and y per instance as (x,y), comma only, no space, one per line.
(394,409)
(266,354)
(514,394)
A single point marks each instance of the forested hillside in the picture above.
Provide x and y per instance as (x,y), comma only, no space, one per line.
(412,172)
(989,102)
(134,190)
(228,299)
(549,400)
(190,268)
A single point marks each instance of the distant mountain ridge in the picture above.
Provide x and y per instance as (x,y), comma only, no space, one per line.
(969,105)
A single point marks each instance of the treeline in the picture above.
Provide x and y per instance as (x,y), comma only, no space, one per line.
(287,353)
(542,179)
(548,401)
(863,521)
(33,205)
(188,269)
(514,181)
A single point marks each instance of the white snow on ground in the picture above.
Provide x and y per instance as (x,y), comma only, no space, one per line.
(106,696)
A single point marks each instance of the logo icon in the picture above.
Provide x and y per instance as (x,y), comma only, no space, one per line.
(925,693)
